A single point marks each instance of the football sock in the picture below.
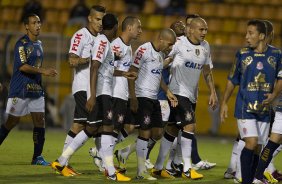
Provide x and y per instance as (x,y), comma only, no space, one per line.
(107,148)
(165,146)
(3,133)
(69,139)
(151,145)
(178,156)
(265,158)
(186,148)
(232,164)
(141,152)
(240,147)
(171,154)
(76,143)
(246,165)
(38,140)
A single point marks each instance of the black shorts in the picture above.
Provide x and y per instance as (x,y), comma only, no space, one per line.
(80,112)
(184,113)
(102,112)
(149,113)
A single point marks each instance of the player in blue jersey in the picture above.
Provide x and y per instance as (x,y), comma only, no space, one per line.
(255,70)
(26,93)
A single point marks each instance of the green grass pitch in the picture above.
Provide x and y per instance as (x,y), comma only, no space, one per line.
(17,149)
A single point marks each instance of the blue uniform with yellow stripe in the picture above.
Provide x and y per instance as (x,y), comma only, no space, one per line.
(26,85)
(255,73)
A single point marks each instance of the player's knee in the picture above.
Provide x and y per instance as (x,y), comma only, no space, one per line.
(251,143)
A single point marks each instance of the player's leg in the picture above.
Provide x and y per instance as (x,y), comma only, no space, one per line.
(16,108)
(248,129)
(273,143)
(231,170)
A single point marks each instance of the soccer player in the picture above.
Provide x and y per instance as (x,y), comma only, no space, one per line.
(79,57)
(99,102)
(26,95)
(255,70)
(190,57)
(148,62)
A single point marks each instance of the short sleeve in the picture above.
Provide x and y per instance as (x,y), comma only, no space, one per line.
(139,56)
(234,75)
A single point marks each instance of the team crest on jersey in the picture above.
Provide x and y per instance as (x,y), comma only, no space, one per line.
(245,131)
(14,101)
(109,114)
(259,65)
(120,118)
(147,120)
(188,116)
(197,52)
(271,61)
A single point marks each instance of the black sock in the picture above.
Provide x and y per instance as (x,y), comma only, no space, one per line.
(195,157)
(151,145)
(38,139)
(255,164)
(3,133)
(265,158)
(246,165)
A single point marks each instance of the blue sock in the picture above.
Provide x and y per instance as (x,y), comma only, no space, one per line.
(195,157)
(38,139)
(265,158)
(246,165)
(3,133)
(255,164)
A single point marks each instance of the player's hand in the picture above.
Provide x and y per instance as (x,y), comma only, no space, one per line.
(269,99)
(133,104)
(130,75)
(84,60)
(172,98)
(50,72)
(213,101)
(90,104)
(223,112)
(74,62)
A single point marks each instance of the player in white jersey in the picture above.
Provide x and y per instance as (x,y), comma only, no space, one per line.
(99,95)
(148,62)
(79,57)
(190,58)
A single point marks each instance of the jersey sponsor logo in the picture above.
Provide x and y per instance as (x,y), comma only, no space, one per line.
(156,71)
(14,101)
(76,42)
(194,65)
(127,63)
(101,49)
(139,55)
(22,54)
(116,49)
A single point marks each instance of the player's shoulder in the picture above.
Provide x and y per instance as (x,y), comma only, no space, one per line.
(274,49)
(23,40)
(244,50)
(83,33)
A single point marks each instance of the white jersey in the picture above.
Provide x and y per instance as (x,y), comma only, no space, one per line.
(81,43)
(150,65)
(120,84)
(186,67)
(102,53)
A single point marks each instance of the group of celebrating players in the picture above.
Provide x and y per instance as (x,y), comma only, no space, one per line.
(155,91)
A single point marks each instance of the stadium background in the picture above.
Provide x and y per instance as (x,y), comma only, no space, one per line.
(226,21)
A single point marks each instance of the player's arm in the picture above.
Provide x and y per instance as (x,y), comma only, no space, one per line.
(131,88)
(270,97)
(95,65)
(21,61)
(129,74)
(207,72)
(167,62)
(171,97)
(226,96)
(75,60)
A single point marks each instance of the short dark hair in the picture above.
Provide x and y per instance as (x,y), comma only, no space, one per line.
(260,25)
(98,8)
(26,17)
(109,21)
(129,20)
(269,27)
(189,16)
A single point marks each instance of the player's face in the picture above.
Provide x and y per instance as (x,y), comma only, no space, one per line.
(198,31)
(95,21)
(33,26)
(136,29)
(252,36)
(166,45)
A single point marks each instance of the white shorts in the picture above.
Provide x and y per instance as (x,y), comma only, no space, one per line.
(254,128)
(165,110)
(277,125)
(22,107)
